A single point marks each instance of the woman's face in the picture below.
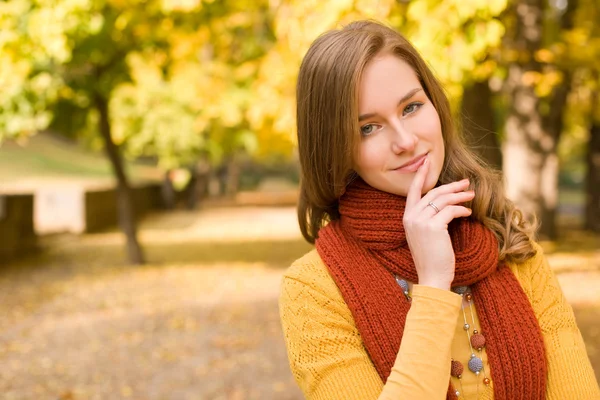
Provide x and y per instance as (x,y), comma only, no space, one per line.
(399,128)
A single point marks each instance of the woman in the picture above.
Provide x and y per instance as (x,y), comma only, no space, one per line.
(425,282)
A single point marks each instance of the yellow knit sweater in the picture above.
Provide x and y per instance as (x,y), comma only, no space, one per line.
(329,361)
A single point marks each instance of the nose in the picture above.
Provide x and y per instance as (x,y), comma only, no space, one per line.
(403,138)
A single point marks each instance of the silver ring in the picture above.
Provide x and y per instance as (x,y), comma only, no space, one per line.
(437,210)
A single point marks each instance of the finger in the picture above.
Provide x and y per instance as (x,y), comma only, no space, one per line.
(450,199)
(451,212)
(453,187)
(416,187)
(429,210)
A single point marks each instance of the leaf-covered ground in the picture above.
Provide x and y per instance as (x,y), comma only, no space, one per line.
(199,322)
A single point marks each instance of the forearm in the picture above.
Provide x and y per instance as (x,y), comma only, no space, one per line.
(422,367)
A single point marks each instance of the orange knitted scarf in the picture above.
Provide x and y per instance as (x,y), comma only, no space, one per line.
(366,247)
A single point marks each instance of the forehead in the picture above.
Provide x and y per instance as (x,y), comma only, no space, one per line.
(385,79)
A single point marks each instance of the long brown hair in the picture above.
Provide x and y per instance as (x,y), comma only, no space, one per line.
(329,134)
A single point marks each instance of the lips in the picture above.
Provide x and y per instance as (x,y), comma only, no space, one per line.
(413,164)
(413,161)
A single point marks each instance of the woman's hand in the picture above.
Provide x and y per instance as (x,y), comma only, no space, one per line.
(427,229)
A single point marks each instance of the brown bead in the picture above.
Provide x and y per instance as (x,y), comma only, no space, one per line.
(478,341)
(456,369)
(469,296)
(486,381)
(475,332)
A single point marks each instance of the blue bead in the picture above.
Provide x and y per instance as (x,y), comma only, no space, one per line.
(460,289)
(475,364)
(403,284)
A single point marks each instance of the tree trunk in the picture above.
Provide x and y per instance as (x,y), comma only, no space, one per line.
(168,191)
(126,215)
(553,122)
(199,190)
(233,176)
(479,125)
(592,209)
(191,189)
(529,152)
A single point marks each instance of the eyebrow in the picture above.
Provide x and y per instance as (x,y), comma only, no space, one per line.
(407,96)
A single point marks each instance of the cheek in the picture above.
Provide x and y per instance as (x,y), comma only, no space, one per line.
(430,123)
(431,130)
(369,156)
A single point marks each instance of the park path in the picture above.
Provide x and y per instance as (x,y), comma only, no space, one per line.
(200,321)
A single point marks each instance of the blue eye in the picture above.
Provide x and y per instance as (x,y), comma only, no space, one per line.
(366,130)
(411,108)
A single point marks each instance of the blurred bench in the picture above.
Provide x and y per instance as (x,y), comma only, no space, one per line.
(17,234)
(79,209)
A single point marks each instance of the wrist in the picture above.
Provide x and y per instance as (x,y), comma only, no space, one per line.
(436,283)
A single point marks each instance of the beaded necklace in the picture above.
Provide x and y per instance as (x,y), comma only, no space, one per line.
(475,339)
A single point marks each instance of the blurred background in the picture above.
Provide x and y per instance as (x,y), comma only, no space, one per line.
(148,175)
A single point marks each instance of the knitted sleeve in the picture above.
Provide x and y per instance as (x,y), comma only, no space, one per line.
(325,349)
(570,374)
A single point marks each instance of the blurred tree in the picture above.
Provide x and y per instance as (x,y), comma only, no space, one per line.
(539,79)
(162,78)
(101,35)
(592,209)
(197,104)
(547,45)
(80,46)
(577,52)
(587,22)
(528,149)
(27,89)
